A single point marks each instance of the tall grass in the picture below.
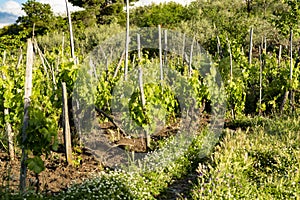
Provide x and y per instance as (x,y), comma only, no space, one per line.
(262,162)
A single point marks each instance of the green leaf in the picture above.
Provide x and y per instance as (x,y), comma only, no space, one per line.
(36,164)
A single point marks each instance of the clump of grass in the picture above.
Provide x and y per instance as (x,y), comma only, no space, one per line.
(259,163)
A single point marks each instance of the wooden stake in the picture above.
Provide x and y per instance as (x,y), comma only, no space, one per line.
(20,59)
(41,57)
(291,71)
(250,46)
(63,45)
(71,33)
(127,41)
(166,48)
(279,55)
(160,53)
(119,65)
(141,87)
(66,126)
(8,128)
(143,99)
(28,89)
(260,80)
(219,47)
(183,49)
(285,97)
(191,58)
(10,135)
(230,58)
(291,55)
(265,44)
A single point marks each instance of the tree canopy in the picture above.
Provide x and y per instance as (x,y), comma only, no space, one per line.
(38,15)
(104,11)
(165,14)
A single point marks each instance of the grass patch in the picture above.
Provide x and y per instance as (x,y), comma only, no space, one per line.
(261,162)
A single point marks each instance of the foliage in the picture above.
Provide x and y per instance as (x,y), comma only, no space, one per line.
(265,156)
(104,11)
(164,14)
(287,19)
(261,162)
(39,17)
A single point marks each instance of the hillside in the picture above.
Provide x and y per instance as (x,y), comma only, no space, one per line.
(197,101)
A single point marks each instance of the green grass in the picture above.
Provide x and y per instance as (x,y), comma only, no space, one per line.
(261,162)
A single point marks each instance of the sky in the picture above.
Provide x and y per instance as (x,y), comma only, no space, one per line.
(11,9)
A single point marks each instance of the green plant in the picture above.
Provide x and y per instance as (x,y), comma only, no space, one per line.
(255,163)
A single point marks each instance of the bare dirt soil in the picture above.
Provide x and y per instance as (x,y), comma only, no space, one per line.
(57,175)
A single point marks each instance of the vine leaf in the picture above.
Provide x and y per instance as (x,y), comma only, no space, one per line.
(36,164)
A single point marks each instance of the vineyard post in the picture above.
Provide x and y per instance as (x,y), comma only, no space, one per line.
(28,89)
(279,55)
(183,49)
(260,79)
(8,128)
(265,44)
(20,59)
(139,48)
(119,65)
(143,99)
(160,53)
(63,44)
(285,97)
(191,57)
(41,57)
(219,46)
(230,58)
(66,125)
(127,40)
(133,61)
(230,75)
(250,46)
(106,69)
(291,71)
(9,134)
(71,32)
(93,68)
(166,47)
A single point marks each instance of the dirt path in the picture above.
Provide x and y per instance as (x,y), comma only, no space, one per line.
(180,188)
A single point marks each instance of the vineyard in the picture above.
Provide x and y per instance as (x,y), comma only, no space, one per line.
(170,106)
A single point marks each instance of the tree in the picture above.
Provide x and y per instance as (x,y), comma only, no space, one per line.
(166,14)
(38,15)
(287,17)
(105,11)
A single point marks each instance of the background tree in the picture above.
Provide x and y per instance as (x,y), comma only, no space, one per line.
(105,11)
(38,15)
(165,14)
(287,17)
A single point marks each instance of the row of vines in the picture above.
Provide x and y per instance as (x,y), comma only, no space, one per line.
(259,86)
